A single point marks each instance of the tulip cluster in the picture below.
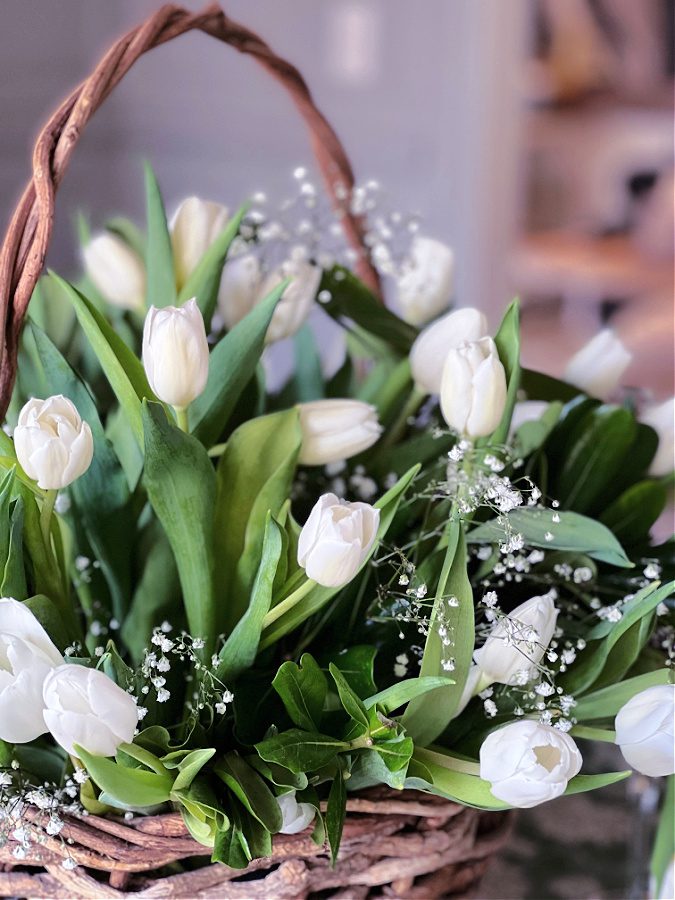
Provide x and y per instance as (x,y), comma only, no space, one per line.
(40,692)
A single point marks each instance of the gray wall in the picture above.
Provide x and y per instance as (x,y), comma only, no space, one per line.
(424,95)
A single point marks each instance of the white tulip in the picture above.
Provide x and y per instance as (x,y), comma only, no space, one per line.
(662,419)
(473,388)
(517,642)
(243,286)
(336,540)
(194,227)
(527,763)
(116,270)
(425,284)
(27,656)
(430,350)
(176,353)
(85,707)
(295,816)
(645,733)
(53,445)
(334,430)
(597,368)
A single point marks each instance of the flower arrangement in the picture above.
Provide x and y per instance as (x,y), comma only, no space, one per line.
(428,568)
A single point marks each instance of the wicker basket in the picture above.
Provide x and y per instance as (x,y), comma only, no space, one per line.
(395,844)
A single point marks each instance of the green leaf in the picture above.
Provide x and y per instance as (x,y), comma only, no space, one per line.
(129,787)
(462,787)
(357,665)
(395,753)
(663,851)
(251,790)
(582,783)
(538,386)
(351,702)
(49,616)
(253,478)
(122,368)
(573,532)
(428,715)
(189,766)
(181,486)
(303,691)
(204,282)
(101,495)
(278,775)
(532,435)
(606,703)
(161,280)
(402,692)
(507,340)
(370,770)
(241,647)
(596,453)
(232,365)
(352,300)
(336,810)
(320,596)
(605,635)
(13,573)
(634,512)
(308,377)
(228,847)
(300,751)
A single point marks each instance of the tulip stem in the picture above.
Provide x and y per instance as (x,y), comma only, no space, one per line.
(292,600)
(182,418)
(46,516)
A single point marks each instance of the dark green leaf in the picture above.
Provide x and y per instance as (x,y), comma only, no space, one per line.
(634,512)
(308,378)
(538,386)
(402,692)
(351,702)
(300,751)
(336,810)
(357,665)
(129,787)
(251,790)
(606,703)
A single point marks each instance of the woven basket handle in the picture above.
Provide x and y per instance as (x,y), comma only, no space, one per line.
(25,246)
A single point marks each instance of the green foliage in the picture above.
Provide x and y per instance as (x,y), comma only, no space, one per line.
(303,690)
(159,267)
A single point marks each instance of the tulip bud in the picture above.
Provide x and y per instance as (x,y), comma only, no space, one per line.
(116,270)
(336,540)
(473,388)
(295,816)
(517,642)
(176,353)
(662,419)
(527,763)
(27,656)
(53,445)
(85,707)
(426,281)
(333,430)
(430,350)
(243,287)
(597,368)
(194,227)
(645,733)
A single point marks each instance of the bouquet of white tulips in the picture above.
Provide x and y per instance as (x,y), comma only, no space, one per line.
(428,569)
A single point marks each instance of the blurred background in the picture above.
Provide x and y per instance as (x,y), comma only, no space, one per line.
(533,136)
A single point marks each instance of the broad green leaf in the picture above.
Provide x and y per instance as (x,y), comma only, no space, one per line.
(228,848)
(634,512)
(160,276)
(101,495)
(538,386)
(507,340)
(303,691)
(204,282)
(241,647)
(351,702)
(357,664)
(254,477)
(352,300)
(395,752)
(122,368)
(49,616)
(320,596)
(232,364)
(370,770)
(181,486)
(300,751)
(129,787)
(596,453)
(188,767)
(402,692)
(605,635)
(572,532)
(429,714)
(582,783)
(251,790)
(606,703)
(336,810)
